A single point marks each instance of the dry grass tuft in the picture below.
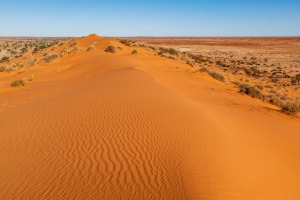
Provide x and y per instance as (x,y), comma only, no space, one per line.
(217,76)
(18,83)
(251,91)
(51,58)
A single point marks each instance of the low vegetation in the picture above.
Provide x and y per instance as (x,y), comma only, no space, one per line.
(291,107)
(134,51)
(18,83)
(51,58)
(217,76)
(251,91)
(4,59)
(168,51)
(127,42)
(111,49)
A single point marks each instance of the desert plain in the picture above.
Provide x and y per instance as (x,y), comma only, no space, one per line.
(149,118)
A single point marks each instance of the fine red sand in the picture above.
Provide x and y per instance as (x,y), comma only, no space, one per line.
(96,125)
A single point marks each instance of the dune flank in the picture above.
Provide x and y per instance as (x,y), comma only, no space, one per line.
(97,125)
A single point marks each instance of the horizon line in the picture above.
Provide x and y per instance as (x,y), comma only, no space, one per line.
(141,36)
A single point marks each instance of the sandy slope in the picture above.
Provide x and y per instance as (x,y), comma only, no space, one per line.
(100,126)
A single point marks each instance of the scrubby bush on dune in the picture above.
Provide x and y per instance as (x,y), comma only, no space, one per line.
(51,58)
(111,49)
(221,64)
(4,59)
(63,52)
(197,58)
(18,83)
(90,48)
(291,107)
(7,69)
(173,51)
(251,91)
(168,50)
(126,42)
(134,51)
(190,63)
(217,76)
(73,44)
(295,80)
(2,68)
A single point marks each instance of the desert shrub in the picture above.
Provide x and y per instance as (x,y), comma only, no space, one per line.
(2,68)
(168,50)
(221,64)
(173,51)
(89,48)
(134,51)
(190,63)
(73,44)
(197,58)
(120,48)
(291,107)
(4,59)
(125,42)
(295,80)
(217,76)
(63,52)
(10,69)
(202,69)
(51,58)
(75,49)
(153,48)
(251,91)
(167,56)
(111,49)
(275,79)
(259,86)
(275,101)
(18,83)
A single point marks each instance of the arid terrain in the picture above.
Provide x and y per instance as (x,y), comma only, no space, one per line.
(149,118)
(270,65)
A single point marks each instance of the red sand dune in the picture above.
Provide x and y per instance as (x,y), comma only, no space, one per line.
(96,125)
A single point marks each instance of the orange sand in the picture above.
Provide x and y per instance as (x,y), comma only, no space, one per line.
(96,125)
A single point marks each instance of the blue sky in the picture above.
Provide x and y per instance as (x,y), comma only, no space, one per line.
(150,18)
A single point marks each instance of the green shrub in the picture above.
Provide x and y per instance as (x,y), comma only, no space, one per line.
(18,83)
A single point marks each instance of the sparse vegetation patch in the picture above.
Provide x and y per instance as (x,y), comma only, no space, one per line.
(251,91)
(18,83)
(217,76)
(51,58)
(111,49)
